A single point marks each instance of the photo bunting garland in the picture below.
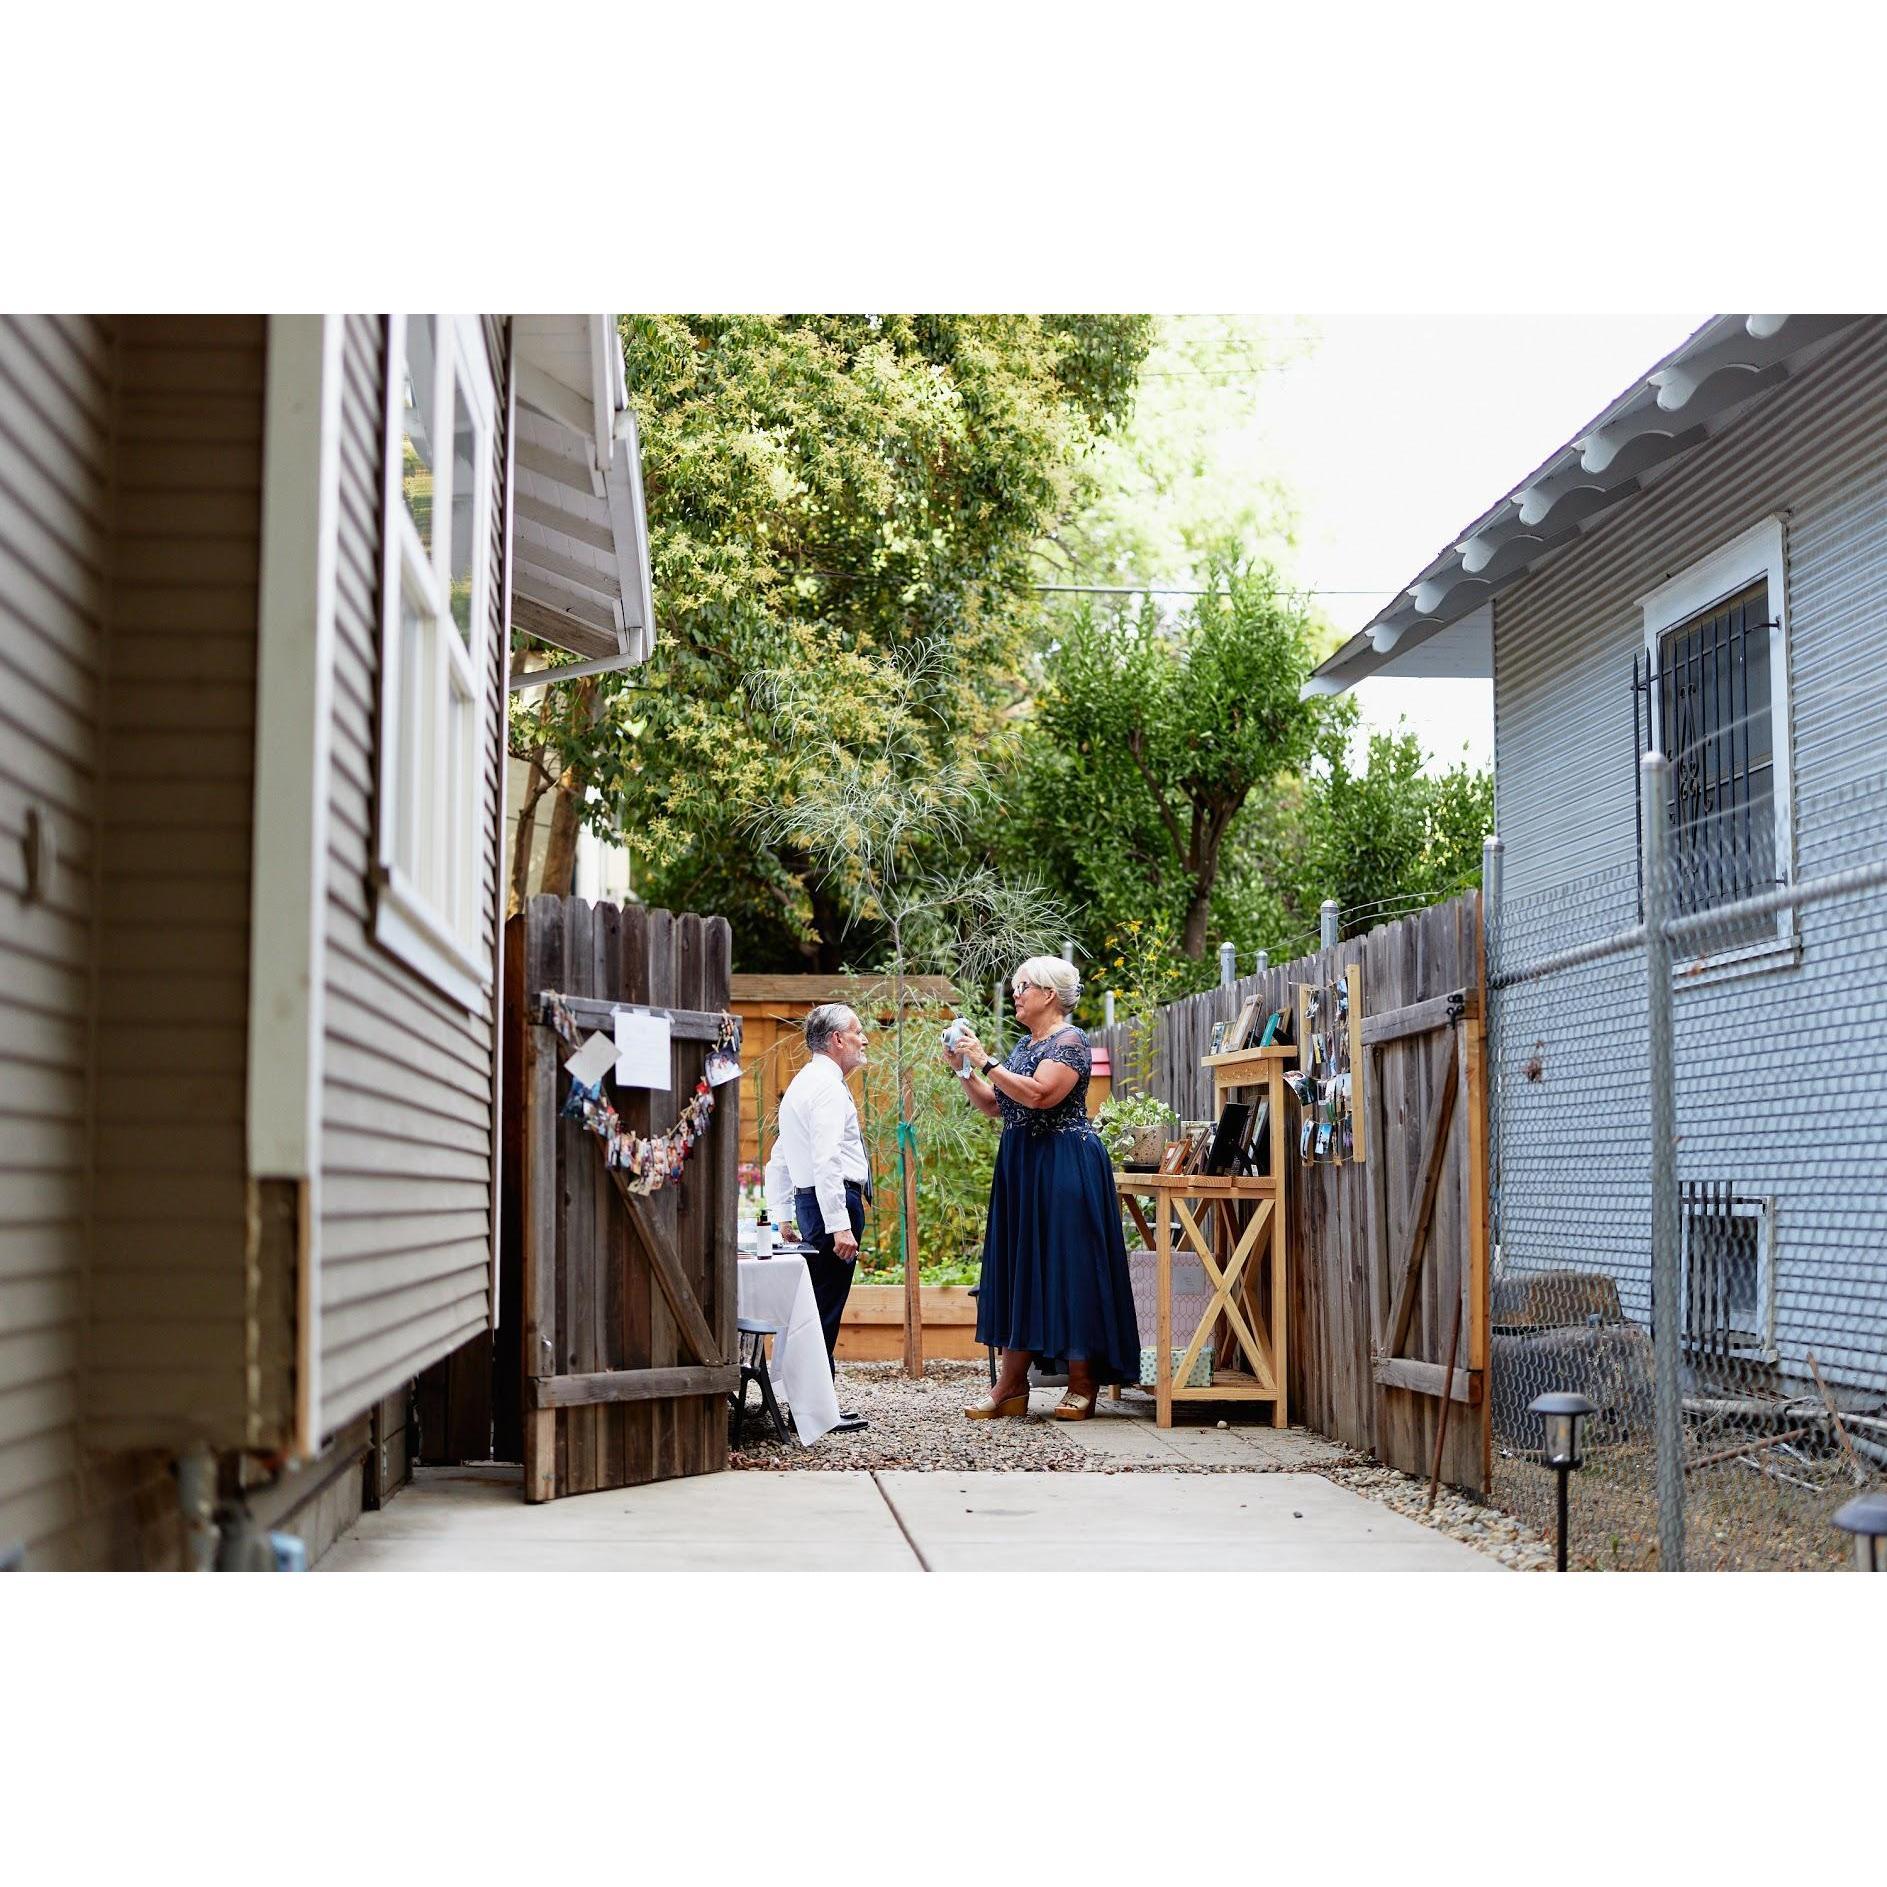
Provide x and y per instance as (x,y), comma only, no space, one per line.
(649,1161)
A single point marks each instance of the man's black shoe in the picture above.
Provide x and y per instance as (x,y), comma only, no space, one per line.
(850,1419)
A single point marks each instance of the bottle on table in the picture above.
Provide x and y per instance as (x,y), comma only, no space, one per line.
(763,1235)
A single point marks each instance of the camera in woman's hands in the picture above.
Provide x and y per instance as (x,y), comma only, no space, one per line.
(954,1037)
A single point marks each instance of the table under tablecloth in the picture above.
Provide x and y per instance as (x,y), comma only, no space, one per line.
(779,1291)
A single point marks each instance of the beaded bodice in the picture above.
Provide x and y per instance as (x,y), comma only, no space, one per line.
(1070,1113)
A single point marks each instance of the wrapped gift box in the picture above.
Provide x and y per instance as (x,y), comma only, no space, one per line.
(1201,1377)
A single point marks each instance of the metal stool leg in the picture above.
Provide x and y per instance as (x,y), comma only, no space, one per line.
(768,1402)
(753,1368)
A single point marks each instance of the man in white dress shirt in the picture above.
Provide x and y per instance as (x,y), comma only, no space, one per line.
(818,1179)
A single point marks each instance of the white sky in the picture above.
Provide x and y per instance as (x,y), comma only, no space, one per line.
(1398,430)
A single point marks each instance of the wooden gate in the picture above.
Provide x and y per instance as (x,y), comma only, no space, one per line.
(628,1302)
(1425,1086)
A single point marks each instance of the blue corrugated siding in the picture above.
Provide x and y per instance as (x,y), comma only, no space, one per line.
(1783,1072)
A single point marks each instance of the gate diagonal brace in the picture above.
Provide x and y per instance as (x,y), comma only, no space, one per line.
(668,1274)
(1422,1205)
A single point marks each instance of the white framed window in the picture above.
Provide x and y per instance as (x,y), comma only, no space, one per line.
(431,841)
(1715,692)
(1728,1272)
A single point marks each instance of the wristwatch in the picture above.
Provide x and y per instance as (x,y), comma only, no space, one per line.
(988,1065)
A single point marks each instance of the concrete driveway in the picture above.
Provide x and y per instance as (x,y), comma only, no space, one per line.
(474,1520)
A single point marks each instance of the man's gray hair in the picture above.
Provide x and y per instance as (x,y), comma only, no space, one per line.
(824,1023)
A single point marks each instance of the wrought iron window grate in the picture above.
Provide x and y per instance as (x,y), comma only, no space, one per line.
(1703,699)
(1728,1293)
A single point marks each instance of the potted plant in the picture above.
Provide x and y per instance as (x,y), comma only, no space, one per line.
(1135,1129)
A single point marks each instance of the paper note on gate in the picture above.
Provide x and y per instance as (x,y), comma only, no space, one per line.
(642,1051)
(591,1062)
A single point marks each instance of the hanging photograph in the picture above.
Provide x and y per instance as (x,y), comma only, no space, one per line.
(724,1057)
(592,1061)
(644,1044)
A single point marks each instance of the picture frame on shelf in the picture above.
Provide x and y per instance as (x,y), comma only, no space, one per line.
(1199,1145)
(1173,1160)
(1257,1147)
(1218,1037)
(1240,1031)
(1226,1154)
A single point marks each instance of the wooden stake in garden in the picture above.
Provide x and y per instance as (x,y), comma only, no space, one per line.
(907,1178)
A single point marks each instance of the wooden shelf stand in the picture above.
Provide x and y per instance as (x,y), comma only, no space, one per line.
(1231,1254)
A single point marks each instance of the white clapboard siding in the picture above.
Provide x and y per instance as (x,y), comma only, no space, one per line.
(407,1124)
(56,398)
(1816,452)
(171,1349)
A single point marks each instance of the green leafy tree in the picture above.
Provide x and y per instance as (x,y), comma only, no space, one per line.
(1184,483)
(1387,836)
(883,824)
(825,495)
(1151,738)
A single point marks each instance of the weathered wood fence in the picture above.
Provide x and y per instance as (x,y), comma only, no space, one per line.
(1389,1256)
(626,1326)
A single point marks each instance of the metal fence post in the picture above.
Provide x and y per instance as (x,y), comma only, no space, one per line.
(1667,1403)
(1107,1010)
(1329,918)
(1493,857)
(1228,965)
(1493,860)
(1264,961)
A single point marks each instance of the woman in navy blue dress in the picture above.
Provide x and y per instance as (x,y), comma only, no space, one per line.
(1055,1281)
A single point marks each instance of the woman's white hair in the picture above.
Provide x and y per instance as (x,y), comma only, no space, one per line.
(1051,973)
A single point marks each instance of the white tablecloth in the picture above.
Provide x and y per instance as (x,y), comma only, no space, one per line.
(779,1291)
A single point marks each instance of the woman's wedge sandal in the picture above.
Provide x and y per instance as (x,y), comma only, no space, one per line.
(1009,1405)
(1071,1408)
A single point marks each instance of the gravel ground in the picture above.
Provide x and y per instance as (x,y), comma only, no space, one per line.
(1487,1529)
(1737,1519)
(920,1425)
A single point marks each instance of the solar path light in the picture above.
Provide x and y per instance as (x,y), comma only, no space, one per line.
(1560,1415)
(1865,1516)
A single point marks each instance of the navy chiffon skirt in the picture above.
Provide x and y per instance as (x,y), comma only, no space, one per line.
(1054,1261)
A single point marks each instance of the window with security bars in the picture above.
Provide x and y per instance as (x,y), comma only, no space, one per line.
(1728,1272)
(1702,695)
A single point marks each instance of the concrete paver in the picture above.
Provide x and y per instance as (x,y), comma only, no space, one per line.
(1154,1522)
(1143,1521)
(714,1522)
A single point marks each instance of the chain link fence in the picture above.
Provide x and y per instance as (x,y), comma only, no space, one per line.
(1689,1127)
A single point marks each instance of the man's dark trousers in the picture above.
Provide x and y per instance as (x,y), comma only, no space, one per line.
(831,1274)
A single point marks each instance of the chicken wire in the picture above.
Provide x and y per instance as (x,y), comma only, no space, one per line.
(1766,1144)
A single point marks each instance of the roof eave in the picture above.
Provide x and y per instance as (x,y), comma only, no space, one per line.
(1711,379)
(581,581)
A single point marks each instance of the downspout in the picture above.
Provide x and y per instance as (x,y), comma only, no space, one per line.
(196,1496)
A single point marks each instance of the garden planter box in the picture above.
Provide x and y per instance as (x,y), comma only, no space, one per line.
(873,1327)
